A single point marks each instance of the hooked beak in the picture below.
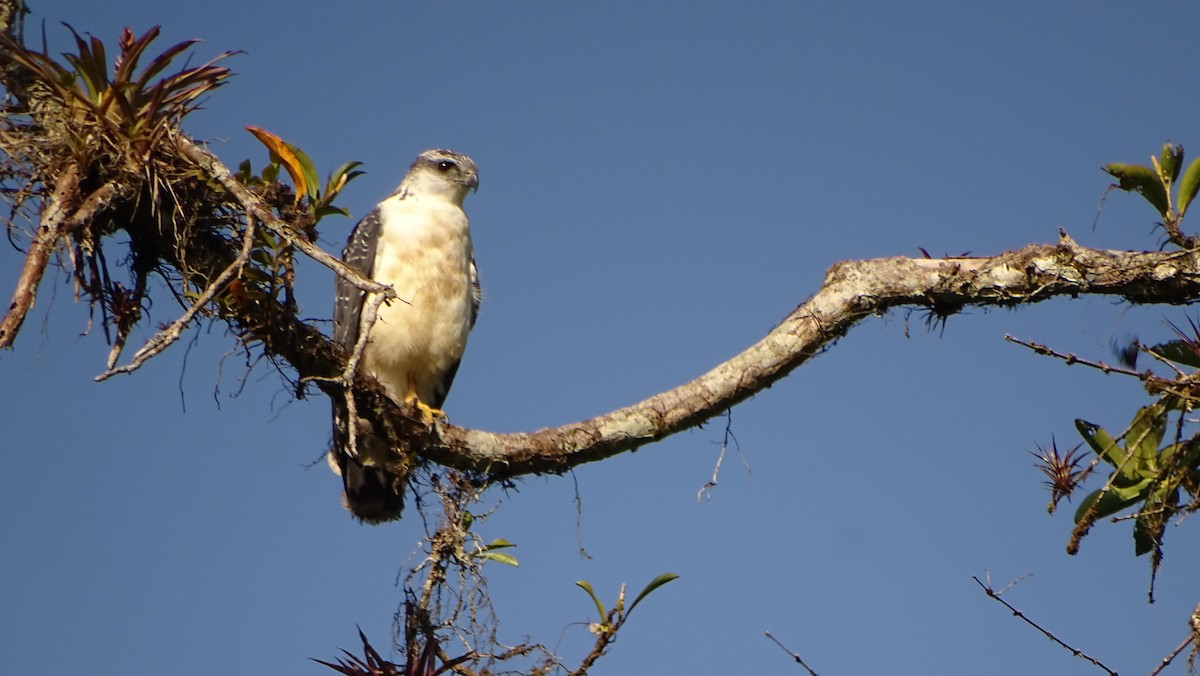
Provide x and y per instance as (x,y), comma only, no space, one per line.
(473,182)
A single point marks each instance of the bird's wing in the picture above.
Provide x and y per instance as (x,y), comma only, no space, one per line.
(360,255)
(443,388)
(369,490)
(476,293)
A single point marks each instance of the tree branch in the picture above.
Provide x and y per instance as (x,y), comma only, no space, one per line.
(45,240)
(852,291)
(62,212)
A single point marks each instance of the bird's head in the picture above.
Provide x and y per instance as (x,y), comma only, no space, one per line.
(442,173)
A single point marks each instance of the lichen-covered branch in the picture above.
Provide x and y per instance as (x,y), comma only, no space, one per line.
(851,292)
(56,213)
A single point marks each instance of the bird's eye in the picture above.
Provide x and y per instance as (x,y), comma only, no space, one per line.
(445,165)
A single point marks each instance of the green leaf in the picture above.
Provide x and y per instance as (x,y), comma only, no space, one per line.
(498,543)
(90,65)
(1167,455)
(1101,442)
(254,275)
(654,584)
(1111,502)
(322,205)
(263,258)
(311,178)
(327,210)
(339,177)
(264,237)
(1169,162)
(60,79)
(1189,185)
(1145,433)
(1152,520)
(244,172)
(587,587)
(500,557)
(160,62)
(1143,180)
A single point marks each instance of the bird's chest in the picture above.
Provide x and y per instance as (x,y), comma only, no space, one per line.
(425,255)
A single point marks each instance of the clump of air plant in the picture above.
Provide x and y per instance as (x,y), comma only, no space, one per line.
(1063,472)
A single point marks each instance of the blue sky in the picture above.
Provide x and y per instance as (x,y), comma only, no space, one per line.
(660,184)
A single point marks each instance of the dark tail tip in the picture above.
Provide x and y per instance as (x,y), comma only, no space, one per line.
(374,495)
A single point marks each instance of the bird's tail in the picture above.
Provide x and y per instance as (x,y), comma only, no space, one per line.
(373,489)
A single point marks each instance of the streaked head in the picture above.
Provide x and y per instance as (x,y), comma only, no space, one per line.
(443,173)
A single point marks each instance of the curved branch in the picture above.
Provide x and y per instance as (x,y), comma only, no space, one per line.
(852,291)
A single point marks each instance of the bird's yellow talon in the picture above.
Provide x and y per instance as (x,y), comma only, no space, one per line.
(428,413)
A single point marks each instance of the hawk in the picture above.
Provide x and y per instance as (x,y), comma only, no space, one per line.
(418,241)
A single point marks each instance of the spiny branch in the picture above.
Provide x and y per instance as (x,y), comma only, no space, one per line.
(795,655)
(1045,632)
(1071,359)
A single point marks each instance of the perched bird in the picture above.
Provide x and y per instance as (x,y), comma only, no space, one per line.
(418,241)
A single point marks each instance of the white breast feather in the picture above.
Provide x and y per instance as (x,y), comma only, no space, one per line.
(424,253)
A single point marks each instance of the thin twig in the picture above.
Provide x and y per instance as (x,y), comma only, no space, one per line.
(1012,584)
(712,483)
(370,313)
(1073,359)
(1166,661)
(1160,384)
(1074,651)
(795,655)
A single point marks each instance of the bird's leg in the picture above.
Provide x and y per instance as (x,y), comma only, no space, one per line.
(428,413)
